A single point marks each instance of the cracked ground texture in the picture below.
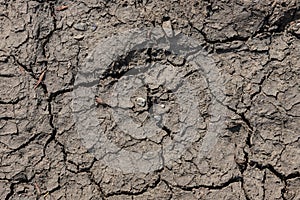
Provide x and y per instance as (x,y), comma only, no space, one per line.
(256,47)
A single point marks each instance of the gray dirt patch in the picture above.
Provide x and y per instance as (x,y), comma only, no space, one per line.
(147,118)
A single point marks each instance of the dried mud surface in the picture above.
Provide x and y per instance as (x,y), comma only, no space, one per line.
(256,47)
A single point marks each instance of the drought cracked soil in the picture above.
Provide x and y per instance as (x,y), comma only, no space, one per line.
(255,47)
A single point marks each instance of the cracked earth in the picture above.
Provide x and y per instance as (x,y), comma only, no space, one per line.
(255,45)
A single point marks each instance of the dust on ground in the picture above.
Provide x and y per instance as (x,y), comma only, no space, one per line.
(255,47)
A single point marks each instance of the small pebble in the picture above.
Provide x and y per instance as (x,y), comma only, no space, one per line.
(141,101)
(80,26)
(94,27)
(157,117)
(167,27)
(78,37)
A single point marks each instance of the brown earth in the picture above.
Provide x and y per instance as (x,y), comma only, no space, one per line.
(256,49)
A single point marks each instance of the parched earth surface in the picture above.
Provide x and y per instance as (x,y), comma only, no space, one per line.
(252,151)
